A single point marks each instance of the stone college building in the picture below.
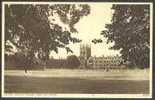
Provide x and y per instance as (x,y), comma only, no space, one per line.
(88,61)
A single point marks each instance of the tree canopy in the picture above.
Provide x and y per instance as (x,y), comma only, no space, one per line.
(130,32)
(31,30)
(73,61)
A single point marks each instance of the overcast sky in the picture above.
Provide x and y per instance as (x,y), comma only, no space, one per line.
(90,27)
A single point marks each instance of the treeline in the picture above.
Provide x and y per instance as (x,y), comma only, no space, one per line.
(17,61)
(71,62)
(22,62)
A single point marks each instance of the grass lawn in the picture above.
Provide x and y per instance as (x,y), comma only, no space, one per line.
(24,84)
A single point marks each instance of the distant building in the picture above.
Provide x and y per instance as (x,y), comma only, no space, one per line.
(110,62)
(87,61)
(85,53)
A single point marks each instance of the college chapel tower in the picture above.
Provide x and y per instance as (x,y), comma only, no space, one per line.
(85,53)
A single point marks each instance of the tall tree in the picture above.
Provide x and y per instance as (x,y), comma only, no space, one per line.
(130,32)
(31,30)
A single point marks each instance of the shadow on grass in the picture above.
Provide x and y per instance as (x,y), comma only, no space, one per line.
(23,84)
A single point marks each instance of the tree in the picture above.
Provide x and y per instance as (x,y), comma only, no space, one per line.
(22,61)
(73,61)
(31,30)
(97,41)
(130,33)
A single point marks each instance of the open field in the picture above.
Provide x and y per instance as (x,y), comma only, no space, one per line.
(16,84)
(77,81)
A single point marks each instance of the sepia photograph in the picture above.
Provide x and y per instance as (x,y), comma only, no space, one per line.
(77,49)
